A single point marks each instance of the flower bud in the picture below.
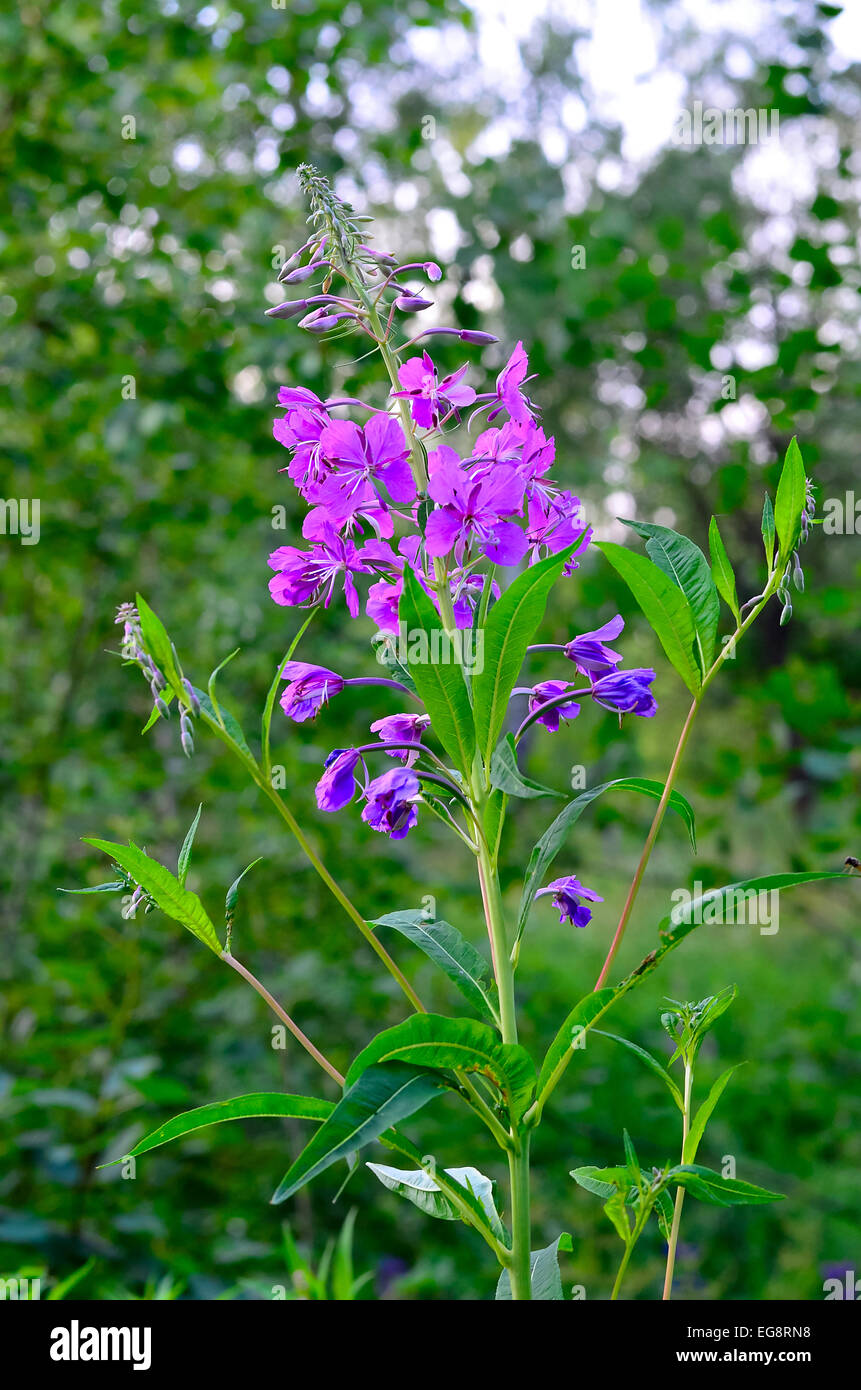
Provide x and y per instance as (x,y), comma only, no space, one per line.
(288,310)
(412,303)
(192,695)
(304,272)
(161,706)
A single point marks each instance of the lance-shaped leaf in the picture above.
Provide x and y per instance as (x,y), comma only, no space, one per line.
(422,1189)
(506,776)
(571,1037)
(445,946)
(722,571)
(655,1067)
(380,1097)
(260,1104)
(440,684)
(718,1191)
(466,1204)
(166,891)
(664,606)
(157,642)
(543,1272)
(603,1182)
(768,532)
(789,502)
(452,1044)
(185,853)
(685,564)
(507,633)
(552,840)
(704,1114)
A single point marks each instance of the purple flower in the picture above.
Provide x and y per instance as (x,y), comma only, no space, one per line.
(589,652)
(551,690)
(427,394)
(627,692)
(567,893)
(401,728)
(553,525)
(377,454)
(508,392)
(391,803)
(468,507)
(309,575)
(382,605)
(310,688)
(336,787)
(301,430)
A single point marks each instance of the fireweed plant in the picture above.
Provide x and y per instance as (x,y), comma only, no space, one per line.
(452,552)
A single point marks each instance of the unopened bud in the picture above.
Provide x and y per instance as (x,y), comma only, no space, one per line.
(192,695)
(786,613)
(304,272)
(412,303)
(161,706)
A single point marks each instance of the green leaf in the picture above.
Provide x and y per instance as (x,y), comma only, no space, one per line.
(615,1208)
(704,1114)
(464,1203)
(685,564)
(233,890)
(157,642)
(167,696)
(114,887)
(165,890)
(227,725)
(420,1188)
(768,532)
(431,1040)
(445,946)
(603,1182)
(581,1018)
(185,853)
(789,502)
(630,1152)
(381,1096)
(440,686)
(507,633)
(718,1191)
(551,841)
(544,1273)
(664,605)
(722,570)
(258,1104)
(656,1067)
(506,776)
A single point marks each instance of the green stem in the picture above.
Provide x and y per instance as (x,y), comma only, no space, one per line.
(520,1273)
(620,1274)
(680,1191)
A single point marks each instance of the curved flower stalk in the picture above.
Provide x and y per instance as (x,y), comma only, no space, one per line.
(450,544)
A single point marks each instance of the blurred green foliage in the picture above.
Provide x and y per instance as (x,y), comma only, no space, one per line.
(140,377)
